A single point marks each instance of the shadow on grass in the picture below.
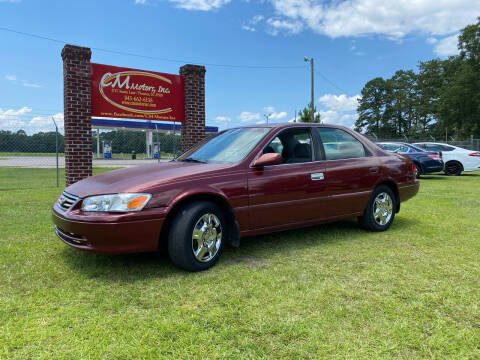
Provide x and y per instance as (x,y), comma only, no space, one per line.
(433,177)
(254,252)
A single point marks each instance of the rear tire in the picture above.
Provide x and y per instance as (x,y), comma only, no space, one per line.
(453,168)
(197,235)
(380,211)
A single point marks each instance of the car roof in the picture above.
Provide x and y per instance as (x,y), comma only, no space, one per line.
(392,142)
(291,124)
(432,143)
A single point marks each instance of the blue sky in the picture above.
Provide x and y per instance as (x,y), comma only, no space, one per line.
(351,41)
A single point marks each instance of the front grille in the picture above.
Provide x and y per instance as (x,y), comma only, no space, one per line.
(66,201)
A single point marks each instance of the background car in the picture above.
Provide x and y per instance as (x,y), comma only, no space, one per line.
(425,162)
(456,159)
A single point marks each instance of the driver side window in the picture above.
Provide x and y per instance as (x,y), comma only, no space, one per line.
(294,145)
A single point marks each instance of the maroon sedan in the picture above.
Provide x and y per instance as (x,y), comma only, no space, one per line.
(244,181)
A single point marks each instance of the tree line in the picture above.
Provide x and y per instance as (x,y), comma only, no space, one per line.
(441,98)
(19,141)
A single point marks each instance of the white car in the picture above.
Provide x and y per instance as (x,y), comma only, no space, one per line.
(456,159)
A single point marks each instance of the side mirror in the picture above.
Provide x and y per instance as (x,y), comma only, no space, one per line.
(267,159)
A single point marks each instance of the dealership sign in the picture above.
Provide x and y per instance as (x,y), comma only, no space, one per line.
(136,94)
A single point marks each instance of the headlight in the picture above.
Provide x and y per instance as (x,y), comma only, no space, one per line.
(122,202)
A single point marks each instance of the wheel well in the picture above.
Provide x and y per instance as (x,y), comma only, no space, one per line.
(394,189)
(233,233)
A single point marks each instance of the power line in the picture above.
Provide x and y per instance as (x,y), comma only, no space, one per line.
(327,79)
(152,57)
(330,81)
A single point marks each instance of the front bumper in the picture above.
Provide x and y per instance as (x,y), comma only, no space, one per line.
(110,232)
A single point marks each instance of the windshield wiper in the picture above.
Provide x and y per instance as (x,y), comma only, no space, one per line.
(190,159)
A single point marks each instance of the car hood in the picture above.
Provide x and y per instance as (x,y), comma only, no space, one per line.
(141,178)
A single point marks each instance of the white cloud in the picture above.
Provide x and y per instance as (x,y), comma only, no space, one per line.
(393,19)
(13,79)
(246,116)
(201,5)
(29,84)
(250,24)
(432,40)
(278,116)
(256,19)
(222,119)
(13,119)
(260,122)
(338,118)
(277,25)
(45,123)
(447,46)
(340,102)
(274,115)
(248,28)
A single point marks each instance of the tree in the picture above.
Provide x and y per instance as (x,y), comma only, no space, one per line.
(469,43)
(306,115)
(443,96)
(371,107)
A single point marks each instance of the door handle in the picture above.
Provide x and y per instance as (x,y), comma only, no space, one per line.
(317,176)
(374,170)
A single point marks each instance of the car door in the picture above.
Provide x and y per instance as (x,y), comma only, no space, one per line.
(351,172)
(290,192)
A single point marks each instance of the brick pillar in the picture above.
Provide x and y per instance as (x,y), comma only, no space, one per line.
(77,121)
(193,126)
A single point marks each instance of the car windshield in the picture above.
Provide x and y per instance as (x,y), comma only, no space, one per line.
(230,146)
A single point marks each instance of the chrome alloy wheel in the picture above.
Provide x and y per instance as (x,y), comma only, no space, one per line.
(206,237)
(382,208)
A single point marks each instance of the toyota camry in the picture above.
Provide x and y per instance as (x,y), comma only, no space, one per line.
(243,181)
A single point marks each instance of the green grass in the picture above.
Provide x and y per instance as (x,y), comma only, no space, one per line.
(331,291)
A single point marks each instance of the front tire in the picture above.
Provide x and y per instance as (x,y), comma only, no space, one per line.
(453,168)
(380,211)
(197,236)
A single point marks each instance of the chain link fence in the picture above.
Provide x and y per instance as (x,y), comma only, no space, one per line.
(110,148)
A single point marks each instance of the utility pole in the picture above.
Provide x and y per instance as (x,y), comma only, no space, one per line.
(312,103)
